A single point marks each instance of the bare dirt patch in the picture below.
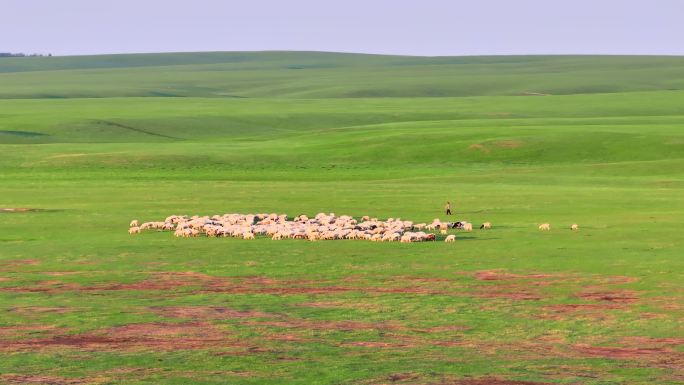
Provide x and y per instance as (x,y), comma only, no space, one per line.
(205,312)
(61,273)
(509,143)
(572,310)
(20,262)
(160,281)
(133,337)
(516,292)
(494,381)
(309,324)
(479,147)
(500,275)
(321,304)
(169,281)
(12,265)
(443,328)
(28,379)
(24,331)
(402,376)
(649,341)
(262,285)
(30,311)
(619,352)
(614,296)
(164,281)
(647,351)
(416,378)
(375,344)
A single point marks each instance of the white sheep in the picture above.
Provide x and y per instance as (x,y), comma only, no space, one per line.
(545,227)
(450,238)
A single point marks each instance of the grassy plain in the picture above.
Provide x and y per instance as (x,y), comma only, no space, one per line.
(82,302)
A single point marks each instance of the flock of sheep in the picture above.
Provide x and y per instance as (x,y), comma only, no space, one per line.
(321,227)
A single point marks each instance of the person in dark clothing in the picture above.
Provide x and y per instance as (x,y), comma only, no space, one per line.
(448,208)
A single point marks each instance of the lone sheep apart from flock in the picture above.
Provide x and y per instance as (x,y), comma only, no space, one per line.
(545,227)
(450,238)
(486,226)
(574,227)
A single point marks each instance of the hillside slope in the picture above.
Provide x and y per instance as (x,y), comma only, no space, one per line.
(331,75)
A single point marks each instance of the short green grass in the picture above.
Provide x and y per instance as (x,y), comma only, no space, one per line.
(343,311)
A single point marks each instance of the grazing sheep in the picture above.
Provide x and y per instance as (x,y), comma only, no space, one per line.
(278,226)
(442,231)
(468,226)
(486,226)
(134,223)
(574,227)
(545,227)
(450,238)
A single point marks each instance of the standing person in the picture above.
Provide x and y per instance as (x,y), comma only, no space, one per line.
(448,208)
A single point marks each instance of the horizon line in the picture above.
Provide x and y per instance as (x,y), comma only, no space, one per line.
(45,55)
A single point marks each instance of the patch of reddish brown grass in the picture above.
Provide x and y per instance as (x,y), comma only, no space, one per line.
(500,275)
(509,143)
(29,379)
(494,381)
(613,296)
(565,311)
(205,312)
(145,336)
(30,311)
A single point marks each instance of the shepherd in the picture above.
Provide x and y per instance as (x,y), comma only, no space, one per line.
(448,208)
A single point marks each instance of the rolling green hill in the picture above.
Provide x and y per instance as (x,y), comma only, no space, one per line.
(331,75)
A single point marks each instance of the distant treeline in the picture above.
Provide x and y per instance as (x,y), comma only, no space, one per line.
(10,54)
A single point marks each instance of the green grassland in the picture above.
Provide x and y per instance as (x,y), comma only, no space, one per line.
(330,75)
(93,142)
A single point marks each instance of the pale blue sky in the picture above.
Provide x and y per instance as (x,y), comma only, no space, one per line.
(412,27)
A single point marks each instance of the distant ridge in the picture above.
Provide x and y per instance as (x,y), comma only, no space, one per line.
(290,74)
